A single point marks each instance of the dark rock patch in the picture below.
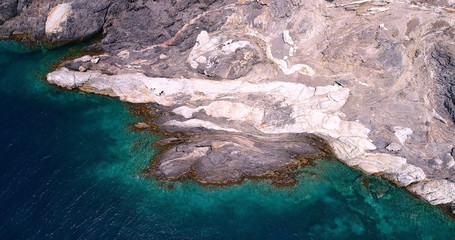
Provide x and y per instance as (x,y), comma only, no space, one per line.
(443,64)
(229,158)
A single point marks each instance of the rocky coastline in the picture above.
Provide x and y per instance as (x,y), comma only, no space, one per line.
(259,86)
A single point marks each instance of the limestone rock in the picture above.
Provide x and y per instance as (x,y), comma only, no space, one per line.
(378,163)
(141,125)
(393,168)
(58,17)
(435,191)
(69,79)
(95,60)
(402,133)
(85,58)
(408,174)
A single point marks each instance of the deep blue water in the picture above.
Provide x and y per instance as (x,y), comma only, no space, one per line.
(70,169)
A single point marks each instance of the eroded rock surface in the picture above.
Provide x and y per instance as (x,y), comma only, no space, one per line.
(435,191)
(256,83)
(222,56)
(228,158)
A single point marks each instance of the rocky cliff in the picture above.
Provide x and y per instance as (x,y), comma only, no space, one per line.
(260,87)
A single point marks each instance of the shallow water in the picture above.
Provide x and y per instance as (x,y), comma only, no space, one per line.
(70,169)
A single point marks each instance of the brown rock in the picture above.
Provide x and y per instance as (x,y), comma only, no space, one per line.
(141,125)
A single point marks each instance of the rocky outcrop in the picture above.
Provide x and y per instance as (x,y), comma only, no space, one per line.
(257,86)
(435,191)
(284,108)
(229,158)
(67,79)
(222,57)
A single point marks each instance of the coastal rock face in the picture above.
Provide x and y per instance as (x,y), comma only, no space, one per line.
(253,84)
(390,167)
(435,191)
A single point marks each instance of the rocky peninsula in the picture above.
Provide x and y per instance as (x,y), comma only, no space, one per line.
(256,88)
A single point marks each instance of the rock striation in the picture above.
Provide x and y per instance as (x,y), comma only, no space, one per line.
(259,88)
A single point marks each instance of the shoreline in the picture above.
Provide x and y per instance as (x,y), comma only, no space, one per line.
(245,76)
(189,174)
(142,109)
(98,155)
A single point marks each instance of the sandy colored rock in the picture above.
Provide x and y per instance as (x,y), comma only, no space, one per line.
(394,147)
(141,125)
(435,191)
(57,17)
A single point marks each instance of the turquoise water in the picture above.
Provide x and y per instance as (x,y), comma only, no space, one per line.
(71,169)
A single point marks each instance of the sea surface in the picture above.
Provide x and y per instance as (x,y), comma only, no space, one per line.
(71,169)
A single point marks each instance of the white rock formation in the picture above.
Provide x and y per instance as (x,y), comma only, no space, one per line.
(301,68)
(435,191)
(287,38)
(408,174)
(312,110)
(402,133)
(69,79)
(57,16)
(85,58)
(206,45)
